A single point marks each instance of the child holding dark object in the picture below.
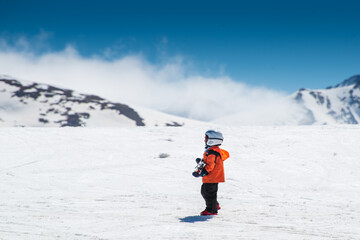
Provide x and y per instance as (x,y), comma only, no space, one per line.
(211,169)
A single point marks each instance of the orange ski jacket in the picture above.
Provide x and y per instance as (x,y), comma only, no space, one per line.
(214,158)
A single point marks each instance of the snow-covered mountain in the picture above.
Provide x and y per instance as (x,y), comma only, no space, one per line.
(337,104)
(31,104)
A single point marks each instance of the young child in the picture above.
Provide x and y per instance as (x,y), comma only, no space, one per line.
(213,172)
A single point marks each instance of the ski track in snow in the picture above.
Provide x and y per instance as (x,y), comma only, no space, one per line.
(287,183)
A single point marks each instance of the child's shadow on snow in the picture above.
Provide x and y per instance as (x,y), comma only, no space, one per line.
(194,219)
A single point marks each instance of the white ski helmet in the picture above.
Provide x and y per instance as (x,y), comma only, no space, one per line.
(213,138)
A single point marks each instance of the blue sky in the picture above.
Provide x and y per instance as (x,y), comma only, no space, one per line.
(281,45)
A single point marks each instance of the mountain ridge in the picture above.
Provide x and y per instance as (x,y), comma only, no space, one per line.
(334,105)
(24,103)
(354,80)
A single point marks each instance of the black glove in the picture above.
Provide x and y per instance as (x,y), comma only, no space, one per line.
(197,160)
(201,173)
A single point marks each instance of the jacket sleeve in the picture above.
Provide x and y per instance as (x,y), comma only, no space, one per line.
(210,162)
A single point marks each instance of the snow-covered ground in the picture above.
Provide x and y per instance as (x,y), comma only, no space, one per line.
(288,183)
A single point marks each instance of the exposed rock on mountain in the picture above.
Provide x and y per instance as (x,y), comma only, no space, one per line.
(31,104)
(338,104)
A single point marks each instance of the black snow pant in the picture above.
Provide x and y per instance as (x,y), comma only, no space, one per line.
(209,193)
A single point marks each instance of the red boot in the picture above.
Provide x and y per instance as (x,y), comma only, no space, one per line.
(206,213)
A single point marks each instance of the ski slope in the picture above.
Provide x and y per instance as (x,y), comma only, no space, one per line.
(283,183)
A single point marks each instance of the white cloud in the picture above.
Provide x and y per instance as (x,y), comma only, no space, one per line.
(168,87)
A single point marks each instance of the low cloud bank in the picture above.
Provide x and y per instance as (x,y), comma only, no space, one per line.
(168,87)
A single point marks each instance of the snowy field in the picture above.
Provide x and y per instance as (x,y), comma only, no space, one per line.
(283,183)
